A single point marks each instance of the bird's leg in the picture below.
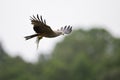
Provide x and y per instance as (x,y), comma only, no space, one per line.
(37,40)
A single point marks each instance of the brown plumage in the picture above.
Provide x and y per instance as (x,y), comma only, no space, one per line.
(43,30)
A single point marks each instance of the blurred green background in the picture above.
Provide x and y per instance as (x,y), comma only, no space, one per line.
(83,55)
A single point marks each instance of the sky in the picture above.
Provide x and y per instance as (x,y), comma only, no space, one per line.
(15,22)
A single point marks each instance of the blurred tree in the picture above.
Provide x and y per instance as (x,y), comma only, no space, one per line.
(94,52)
(84,55)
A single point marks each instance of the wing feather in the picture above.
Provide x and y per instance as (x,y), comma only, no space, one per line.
(38,17)
(66,29)
(40,25)
(41,19)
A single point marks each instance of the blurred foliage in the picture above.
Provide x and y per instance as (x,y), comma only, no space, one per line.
(82,55)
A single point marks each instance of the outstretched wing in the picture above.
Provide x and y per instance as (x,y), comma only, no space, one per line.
(40,25)
(66,29)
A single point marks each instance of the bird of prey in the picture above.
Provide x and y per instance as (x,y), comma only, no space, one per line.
(43,30)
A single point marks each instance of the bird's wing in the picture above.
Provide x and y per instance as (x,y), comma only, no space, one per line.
(66,29)
(40,25)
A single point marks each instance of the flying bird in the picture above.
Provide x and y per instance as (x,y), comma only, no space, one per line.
(43,30)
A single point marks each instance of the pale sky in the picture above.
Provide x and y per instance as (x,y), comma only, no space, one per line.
(15,23)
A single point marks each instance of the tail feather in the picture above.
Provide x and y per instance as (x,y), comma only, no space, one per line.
(31,36)
(27,37)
